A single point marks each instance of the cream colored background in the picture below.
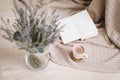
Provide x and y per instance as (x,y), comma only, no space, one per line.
(5,5)
(12,66)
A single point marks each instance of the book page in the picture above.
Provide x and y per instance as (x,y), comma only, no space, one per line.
(69,32)
(85,24)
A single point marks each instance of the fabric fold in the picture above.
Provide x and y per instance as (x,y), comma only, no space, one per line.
(112,21)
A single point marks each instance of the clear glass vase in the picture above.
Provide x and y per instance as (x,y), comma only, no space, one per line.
(37,61)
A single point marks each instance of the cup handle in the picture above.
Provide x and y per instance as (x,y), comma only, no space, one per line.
(85,55)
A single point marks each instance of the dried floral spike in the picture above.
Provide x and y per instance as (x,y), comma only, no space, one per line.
(32,33)
(17,36)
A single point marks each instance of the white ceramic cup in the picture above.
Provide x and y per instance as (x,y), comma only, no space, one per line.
(79,52)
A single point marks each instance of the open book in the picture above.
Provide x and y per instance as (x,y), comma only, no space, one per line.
(77,26)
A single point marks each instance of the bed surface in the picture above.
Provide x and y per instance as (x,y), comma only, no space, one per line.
(12,65)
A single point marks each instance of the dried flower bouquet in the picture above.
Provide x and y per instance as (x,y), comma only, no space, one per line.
(32,32)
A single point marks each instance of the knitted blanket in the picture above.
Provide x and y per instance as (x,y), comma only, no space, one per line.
(103,50)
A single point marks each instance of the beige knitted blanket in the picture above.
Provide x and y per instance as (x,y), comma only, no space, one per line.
(103,50)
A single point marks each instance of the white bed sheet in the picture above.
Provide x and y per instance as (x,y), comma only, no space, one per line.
(13,66)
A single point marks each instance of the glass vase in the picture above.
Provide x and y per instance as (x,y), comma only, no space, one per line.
(37,61)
